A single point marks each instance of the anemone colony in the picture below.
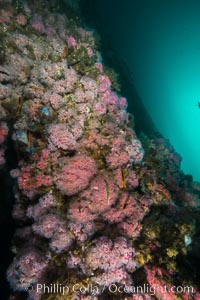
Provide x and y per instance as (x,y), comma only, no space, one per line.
(95,205)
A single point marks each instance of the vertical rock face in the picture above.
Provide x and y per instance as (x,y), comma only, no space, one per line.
(83,185)
(3,136)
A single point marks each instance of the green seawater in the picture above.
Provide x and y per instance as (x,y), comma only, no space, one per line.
(159,41)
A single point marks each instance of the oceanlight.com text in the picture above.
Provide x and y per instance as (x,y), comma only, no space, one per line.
(91,289)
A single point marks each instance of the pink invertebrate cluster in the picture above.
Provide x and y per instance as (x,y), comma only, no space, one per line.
(82,186)
(76,174)
(71,41)
(61,137)
(29,268)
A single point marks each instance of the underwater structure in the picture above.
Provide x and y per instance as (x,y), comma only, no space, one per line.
(101,213)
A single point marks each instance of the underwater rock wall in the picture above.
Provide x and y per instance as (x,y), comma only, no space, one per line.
(84,182)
